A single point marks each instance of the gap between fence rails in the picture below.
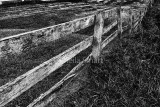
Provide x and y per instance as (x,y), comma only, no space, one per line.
(96,51)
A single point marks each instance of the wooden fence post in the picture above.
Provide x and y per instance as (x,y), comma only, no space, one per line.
(139,23)
(130,21)
(97,38)
(141,28)
(151,3)
(119,20)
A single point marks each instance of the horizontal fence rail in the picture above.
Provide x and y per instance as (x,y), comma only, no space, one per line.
(37,1)
(15,88)
(38,103)
(17,43)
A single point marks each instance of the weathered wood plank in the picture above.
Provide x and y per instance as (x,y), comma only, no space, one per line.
(17,43)
(137,12)
(137,16)
(107,12)
(109,27)
(119,20)
(110,13)
(71,7)
(97,38)
(109,39)
(135,26)
(125,10)
(39,103)
(22,83)
(141,18)
(136,23)
(42,101)
(131,21)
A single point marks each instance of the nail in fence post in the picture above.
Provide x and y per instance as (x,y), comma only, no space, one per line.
(97,38)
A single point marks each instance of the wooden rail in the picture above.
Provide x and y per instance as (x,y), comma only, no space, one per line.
(15,45)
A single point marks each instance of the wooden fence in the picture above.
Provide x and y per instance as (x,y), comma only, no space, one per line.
(2,2)
(15,45)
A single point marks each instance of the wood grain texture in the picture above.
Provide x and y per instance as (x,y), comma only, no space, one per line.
(109,27)
(97,38)
(22,83)
(109,39)
(17,43)
(119,21)
(42,101)
(131,21)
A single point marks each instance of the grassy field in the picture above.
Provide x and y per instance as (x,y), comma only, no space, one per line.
(15,67)
(127,66)
(20,19)
(130,73)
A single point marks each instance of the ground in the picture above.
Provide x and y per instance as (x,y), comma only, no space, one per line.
(109,85)
(129,75)
(20,19)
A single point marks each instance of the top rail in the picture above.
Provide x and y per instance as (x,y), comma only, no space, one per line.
(22,83)
(15,44)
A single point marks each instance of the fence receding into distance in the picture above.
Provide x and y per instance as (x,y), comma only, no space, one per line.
(15,45)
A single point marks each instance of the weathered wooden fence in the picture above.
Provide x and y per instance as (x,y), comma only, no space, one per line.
(15,45)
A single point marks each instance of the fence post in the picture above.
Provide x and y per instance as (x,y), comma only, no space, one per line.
(119,20)
(130,21)
(141,28)
(150,3)
(138,29)
(97,37)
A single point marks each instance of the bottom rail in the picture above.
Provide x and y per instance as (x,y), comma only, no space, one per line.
(42,101)
(39,103)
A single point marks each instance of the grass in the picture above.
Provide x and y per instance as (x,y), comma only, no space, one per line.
(130,73)
(37,57)
(15,66)
(128,77)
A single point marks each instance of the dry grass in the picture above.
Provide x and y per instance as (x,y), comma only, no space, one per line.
(129,75)
(14,66)
(34,58)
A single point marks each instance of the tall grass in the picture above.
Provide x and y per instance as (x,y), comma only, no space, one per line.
(130,73)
